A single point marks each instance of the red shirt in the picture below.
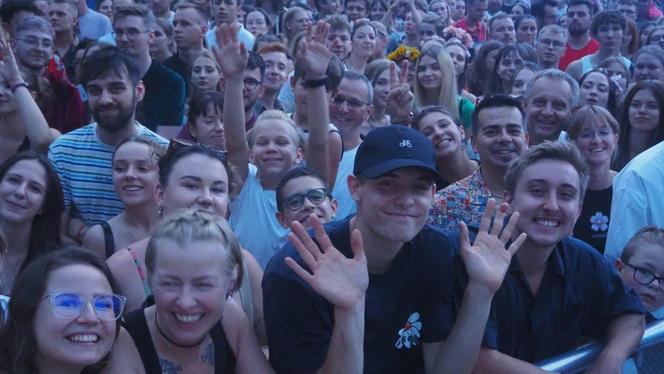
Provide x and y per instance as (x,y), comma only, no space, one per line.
(572,54)
(477,31)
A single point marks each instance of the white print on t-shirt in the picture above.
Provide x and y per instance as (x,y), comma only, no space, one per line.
(409,335)
(599,222)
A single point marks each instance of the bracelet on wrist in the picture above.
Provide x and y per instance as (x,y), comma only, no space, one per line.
(16,86)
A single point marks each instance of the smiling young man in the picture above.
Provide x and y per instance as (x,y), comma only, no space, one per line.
(557,289)
(381,294)
(499,137)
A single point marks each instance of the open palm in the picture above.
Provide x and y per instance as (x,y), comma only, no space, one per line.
(230,53)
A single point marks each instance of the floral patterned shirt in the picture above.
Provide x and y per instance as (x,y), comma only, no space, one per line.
(464,200)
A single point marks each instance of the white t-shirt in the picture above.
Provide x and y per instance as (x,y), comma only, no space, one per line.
(345,203)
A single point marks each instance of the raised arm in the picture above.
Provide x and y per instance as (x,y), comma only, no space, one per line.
(32,118)
(341,281)
(232,58)
(400,99)
(315,59)
(486,263)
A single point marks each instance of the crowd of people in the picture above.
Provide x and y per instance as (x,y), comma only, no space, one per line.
(347,186)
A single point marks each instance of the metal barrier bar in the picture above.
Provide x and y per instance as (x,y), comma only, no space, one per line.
(584,356)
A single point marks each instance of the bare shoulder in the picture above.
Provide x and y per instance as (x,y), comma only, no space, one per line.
(94,240)
(125,358)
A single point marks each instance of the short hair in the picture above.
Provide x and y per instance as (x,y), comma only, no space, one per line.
(73,4)
(189,5)
(335,73)
(199,103)
(109,59)
(558,75)
(556,29)
(135,10)
(495,101)
(537,7)
(18,344)
(297,172)
(33,23)
(496,17)
(255,61)
(339,22)
(591,7)
(355,76)
(422,113)
(189,226)
(273,47)
(645,235)
(367,5)
(10,7)
(548,150)
(607,17)
(276,115)
(589,115)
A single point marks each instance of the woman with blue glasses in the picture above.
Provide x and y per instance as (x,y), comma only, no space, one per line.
(64,313)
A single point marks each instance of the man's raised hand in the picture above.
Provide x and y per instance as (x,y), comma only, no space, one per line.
(230,53)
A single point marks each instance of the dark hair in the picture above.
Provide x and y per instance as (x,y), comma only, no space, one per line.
(255,61)
(137,10)
(657,89)
(268,20)
(172,156)
(197,8)
(338,22)
(592,8)
(200,102)
(478,76)
(297,172)
(361,23)
(522,18)
(265,39)
(607,17)
(537,7)
(45,227)
(109,59)
(11,7)
(525,51)
(495,101)
(335,73)
(18,345)
(612,104)
(422,113)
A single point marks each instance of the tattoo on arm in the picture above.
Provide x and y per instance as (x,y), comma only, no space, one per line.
(208,355)
(169,367)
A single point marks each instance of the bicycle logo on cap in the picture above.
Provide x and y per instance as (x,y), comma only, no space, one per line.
(405,143)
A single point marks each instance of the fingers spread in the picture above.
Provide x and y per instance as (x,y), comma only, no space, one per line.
(485,221)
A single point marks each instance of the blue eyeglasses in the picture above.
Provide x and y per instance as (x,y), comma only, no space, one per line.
(68,305)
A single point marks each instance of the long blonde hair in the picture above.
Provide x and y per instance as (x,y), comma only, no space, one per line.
(447,96)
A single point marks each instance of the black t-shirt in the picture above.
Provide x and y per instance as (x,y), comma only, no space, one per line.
(593,224)
(414,302)
(163,103)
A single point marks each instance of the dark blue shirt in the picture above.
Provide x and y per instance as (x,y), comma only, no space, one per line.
(413,302)
(163,103)
(580,294)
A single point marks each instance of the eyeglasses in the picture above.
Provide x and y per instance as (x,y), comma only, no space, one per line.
(296,200)
(645,277)
(251,83)
(353,103)
(551,42)
(68,305)
(35,42)
(131,33)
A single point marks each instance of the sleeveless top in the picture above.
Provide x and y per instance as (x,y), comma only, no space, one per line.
(109,242)
(137,326)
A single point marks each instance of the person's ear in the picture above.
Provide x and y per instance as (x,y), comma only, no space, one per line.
(281,219)
(140,91)
(159,194)
(354,186)
(619,265)
(192,129)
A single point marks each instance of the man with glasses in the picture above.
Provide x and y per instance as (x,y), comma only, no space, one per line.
(550,44)
(162,109)
(302,193)
(349,110)
(33,47)
(579,43)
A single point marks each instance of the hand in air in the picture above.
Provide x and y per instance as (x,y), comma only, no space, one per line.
(8,68)
(315,56)
(340,280)
(487,260)
(399,99)
(230,53)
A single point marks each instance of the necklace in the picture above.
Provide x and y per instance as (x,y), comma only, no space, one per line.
(173,342)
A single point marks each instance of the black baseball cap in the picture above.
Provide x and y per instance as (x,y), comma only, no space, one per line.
(394,147)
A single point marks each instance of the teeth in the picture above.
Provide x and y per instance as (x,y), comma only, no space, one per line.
(188,318)
(132,188)
(548,222)
(83,338)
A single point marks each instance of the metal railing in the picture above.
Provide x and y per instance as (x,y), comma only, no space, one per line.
(583,357)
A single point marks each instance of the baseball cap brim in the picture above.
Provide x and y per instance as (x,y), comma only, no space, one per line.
(387,166)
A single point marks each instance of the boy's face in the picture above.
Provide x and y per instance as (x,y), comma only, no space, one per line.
(305,190)
(275,150)
(548,199)
(646,262)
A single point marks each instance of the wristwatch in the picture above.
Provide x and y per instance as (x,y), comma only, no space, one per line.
(313,83)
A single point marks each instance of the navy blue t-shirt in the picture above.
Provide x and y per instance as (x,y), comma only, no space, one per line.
(413,302)
(580,294)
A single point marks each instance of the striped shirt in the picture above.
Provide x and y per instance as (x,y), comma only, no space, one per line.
(84,165)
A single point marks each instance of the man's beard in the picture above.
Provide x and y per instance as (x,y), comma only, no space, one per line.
(577,31)
(120,121)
